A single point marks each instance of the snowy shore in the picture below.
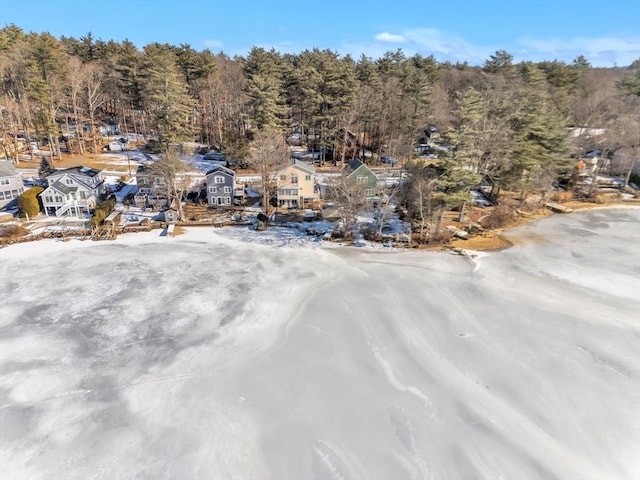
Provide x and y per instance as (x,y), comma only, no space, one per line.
(224,353)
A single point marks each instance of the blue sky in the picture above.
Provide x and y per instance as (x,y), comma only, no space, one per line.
(607,32)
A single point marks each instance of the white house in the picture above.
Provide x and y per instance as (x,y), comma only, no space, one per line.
(11,185)
(72,191)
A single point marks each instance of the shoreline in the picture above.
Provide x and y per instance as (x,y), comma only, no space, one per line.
(495,240)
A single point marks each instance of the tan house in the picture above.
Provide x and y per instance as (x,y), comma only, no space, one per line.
(296,185)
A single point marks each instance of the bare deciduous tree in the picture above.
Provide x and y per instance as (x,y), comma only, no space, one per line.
(349,198)
(176,176)
(268,153)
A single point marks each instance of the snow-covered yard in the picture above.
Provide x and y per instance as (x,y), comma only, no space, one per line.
(228,353)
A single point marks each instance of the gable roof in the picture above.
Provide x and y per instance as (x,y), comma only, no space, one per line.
(7,169)
(61,187)
(357,165)
(86,171)
(354,165)
(302,166)
(220,169)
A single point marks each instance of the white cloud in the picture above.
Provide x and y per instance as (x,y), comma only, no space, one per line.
(390,37)
(425,41)
(600,51)
(444,46)
(213,43)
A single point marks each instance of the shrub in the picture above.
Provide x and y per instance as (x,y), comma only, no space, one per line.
(498,217)
(98,217)
(102,211)
(153,146)
(12,231)
(563,196)
(443,236)
(28,202)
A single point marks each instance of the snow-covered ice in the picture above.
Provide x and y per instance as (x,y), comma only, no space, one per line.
(207,356)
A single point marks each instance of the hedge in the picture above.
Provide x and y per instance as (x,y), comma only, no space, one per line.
(28,202)
(102,211)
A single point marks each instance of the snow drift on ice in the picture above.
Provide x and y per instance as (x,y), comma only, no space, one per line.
(229,354)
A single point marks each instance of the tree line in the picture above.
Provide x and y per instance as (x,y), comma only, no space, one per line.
(508,122)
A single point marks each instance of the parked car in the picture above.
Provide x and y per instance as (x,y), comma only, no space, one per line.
(217,156)
(388,160)
(295,139)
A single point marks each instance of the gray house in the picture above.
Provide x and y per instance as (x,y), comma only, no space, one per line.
(220,186)
(11,185)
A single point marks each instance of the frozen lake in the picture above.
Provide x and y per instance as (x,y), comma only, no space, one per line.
(232,354)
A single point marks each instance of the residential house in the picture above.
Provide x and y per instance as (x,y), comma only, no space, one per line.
(109,129)
(72,191)
(152,188)
(296,185)
(11,185)
(220,186)
(347,138)
(363,176)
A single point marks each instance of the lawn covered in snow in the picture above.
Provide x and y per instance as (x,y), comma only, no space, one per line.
(225,353)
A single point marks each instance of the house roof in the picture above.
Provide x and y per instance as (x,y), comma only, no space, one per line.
(89,172)
(7,169)
(354,165)
(220,169)
(61,187)
(303,166)
(358,165)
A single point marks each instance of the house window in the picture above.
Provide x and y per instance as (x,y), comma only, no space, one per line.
(369,191)
(227,189)
(68,181)
(294,179)
(307,178)
(1,195)
(58,199)
(283,178)
(213,189)
(14,193)
(361,179)
(48,199)
(227,200)
(159,181)
(4,181)
(83,195)
(219,179)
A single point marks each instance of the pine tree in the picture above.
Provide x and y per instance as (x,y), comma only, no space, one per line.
(166,97)
(46,168)
(500,62)
(539,150)
(263,87)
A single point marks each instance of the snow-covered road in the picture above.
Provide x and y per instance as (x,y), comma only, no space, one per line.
(233,354)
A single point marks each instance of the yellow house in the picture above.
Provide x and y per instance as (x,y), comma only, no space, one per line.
(296,185)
